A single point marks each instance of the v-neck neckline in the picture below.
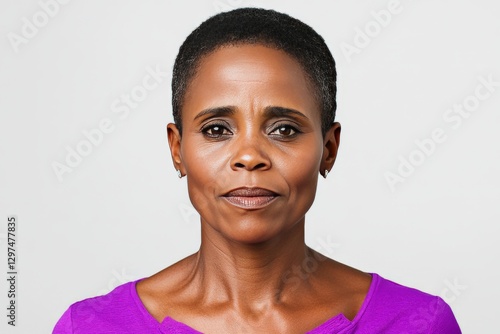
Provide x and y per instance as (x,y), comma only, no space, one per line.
(338,322)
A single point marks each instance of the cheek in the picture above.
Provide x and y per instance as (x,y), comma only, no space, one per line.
(300,170)
(206,169)
(202,158)
(300,164)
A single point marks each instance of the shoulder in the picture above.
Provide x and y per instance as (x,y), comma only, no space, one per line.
(395,308)
(169,291)
(116,310)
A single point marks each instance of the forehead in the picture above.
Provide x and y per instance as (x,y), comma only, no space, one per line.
(250,74)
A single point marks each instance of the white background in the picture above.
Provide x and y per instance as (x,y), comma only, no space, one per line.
(122,213)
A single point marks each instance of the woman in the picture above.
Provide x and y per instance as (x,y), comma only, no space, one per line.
(253,95)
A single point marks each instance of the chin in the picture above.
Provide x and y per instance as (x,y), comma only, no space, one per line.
(253,233)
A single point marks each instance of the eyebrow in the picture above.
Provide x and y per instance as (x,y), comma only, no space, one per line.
(217,111)
(275,111)
(269,112)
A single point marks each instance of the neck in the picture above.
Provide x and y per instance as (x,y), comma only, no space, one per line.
(252,277)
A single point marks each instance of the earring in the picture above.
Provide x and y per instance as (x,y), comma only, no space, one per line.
(326,173)
(179,174)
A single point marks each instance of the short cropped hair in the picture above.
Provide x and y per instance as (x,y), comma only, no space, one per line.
(268,28)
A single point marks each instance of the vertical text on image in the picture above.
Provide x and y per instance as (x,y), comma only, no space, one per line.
(12,270)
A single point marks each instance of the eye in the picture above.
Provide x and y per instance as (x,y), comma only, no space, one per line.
(284,130)
(215,130)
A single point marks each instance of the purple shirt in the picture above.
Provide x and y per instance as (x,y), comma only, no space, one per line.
(388,308)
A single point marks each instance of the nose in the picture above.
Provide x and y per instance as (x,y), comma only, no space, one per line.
(250,154)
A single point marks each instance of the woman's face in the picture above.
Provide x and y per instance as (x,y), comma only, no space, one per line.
(250,119)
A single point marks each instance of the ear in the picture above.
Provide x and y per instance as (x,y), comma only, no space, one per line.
(174,141)
(330,147)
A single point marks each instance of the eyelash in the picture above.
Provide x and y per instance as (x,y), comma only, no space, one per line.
(287,126)
(206,128)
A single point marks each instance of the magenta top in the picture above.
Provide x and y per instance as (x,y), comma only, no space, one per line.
(388,308)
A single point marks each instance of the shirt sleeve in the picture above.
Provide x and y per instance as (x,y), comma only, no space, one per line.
(445,321)
(64,325)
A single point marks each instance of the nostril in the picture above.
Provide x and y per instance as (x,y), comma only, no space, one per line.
(250,160)
(241,165)
(261,165)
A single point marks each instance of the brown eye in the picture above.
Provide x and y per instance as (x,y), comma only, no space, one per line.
(215,131)
(284,131)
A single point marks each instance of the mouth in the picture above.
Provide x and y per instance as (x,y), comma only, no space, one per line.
(250,198)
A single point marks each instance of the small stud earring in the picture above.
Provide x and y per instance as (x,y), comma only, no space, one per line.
(179,174)
(326,173)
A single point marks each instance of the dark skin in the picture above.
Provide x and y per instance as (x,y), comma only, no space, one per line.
(261,128)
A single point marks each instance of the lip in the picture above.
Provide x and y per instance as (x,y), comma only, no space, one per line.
(250,197)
